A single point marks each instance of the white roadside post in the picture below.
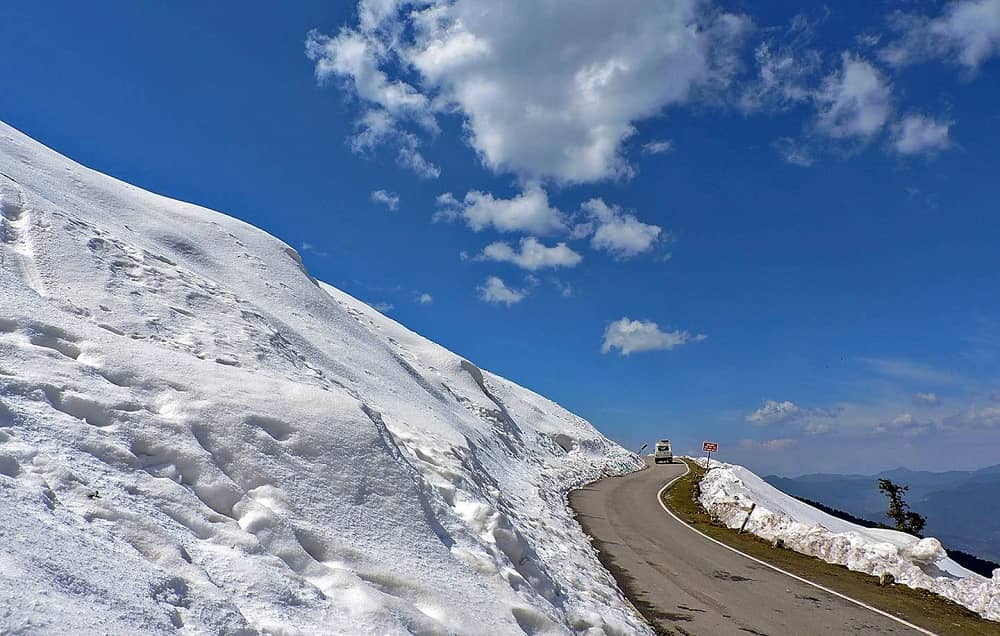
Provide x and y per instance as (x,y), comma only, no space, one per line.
(747,520)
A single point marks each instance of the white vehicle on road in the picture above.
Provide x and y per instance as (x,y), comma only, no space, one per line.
(664,454)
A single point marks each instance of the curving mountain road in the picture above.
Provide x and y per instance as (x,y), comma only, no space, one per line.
(686,584)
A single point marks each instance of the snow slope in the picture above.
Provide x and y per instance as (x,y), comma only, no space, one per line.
(197,437)
(728,490)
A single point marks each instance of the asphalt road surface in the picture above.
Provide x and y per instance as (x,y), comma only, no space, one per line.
(685,584)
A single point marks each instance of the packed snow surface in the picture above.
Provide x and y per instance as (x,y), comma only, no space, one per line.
(197,437)
(728,490)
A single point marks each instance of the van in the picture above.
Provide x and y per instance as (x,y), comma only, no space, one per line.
(664,453)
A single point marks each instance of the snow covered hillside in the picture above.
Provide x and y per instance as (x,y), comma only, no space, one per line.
(197,436)
(727,491)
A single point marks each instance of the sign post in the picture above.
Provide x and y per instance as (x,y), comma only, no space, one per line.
(709,447)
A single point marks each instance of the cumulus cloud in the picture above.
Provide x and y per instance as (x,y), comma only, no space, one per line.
(388,199)
(919,135)
(967,32)
(609,227)
(355,55)
(527,212)
(774,412)
(634,336)
(657,147)
(495,290)
(564,120)
(926,399)
(425,299)
(854,102)
(616,231)
(532,254)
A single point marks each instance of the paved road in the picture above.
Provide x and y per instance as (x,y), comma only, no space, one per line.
(686,584)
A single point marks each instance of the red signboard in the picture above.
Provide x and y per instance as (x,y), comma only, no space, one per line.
(710,447)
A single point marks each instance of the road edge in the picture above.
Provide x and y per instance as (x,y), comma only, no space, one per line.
(597,552)
(687,471)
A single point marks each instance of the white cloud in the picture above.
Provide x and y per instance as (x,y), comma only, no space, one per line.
(609,227)
(906,425)
(657,147)
(408,156)
(494,290)
(357,56)
(975,418)
(312,249)
(633,336)
(779,84)
(988,417)
(383,307)
(527,212)
(853,103)
(907,370)
(919,135)
(377,127)
(565,289)
(793,151)
(786,65)
(425,299)
(868,40)
(770,444)
(926,399)
(967,32)
(388,199)
(616,231)
(817,428)
(532,255)
(595,70)
(372,129)
(774,412)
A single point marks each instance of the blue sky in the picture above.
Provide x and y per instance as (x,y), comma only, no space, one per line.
(778,225)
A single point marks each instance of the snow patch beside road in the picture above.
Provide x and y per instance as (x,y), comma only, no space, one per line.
(728,490)
(197,437)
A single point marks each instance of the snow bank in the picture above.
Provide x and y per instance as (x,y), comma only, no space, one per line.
(728,490)
(197,437)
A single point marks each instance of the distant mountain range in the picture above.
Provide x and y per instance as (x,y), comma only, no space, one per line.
(960,506)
